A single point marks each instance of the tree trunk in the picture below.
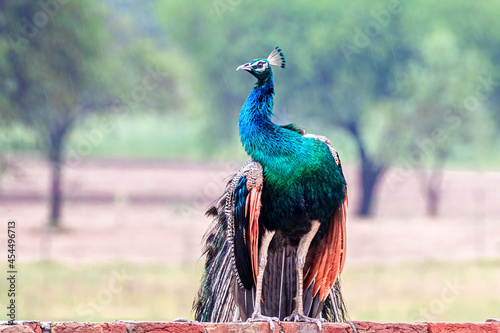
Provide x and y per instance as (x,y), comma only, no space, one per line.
(431,185)
(371,170)
(55,194)
(433,197)
(370,175)
(57,137)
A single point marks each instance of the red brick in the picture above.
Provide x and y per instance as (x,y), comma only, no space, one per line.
(238,327)
(371,327)
(34,325)
(299,327)
(15,329)
(464,327)
(287,327)
(157,327)
(69,327)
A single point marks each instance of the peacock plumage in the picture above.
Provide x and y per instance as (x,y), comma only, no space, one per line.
(279,230)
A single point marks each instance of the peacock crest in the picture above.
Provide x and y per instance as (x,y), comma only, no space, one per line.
(277,58)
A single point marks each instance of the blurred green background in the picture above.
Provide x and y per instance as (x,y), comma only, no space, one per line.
(404,90)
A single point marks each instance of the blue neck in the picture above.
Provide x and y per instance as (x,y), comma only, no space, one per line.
(255,125)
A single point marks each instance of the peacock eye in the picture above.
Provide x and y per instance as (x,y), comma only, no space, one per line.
(260,64)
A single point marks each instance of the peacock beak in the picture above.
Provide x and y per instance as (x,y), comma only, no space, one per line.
(245,67)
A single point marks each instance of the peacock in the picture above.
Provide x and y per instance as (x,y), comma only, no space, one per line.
(277,244)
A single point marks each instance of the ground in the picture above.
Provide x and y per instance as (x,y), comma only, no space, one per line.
(154,211)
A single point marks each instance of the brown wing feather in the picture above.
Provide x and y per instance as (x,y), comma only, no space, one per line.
(329,255)
(253,204)
(253,208)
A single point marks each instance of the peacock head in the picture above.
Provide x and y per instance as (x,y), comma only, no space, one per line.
(261,68)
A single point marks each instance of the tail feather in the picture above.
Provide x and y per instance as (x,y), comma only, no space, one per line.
(334,309)
(279,289)
(221,299)
(215,301)
(279,285)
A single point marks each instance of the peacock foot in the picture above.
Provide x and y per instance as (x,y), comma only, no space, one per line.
(354,329)
(302,318)
(259,317)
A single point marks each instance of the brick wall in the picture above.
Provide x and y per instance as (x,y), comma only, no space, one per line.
(491,325)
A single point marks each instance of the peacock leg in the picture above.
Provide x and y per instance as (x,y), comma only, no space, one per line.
(257,314)
(305,241)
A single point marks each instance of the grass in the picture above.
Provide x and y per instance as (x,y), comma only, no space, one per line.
(429,291)
(52,291)
(432,291)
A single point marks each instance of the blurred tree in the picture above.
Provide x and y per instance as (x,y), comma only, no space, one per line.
(52,73)
(476,28)
(444,97)
(62,62)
